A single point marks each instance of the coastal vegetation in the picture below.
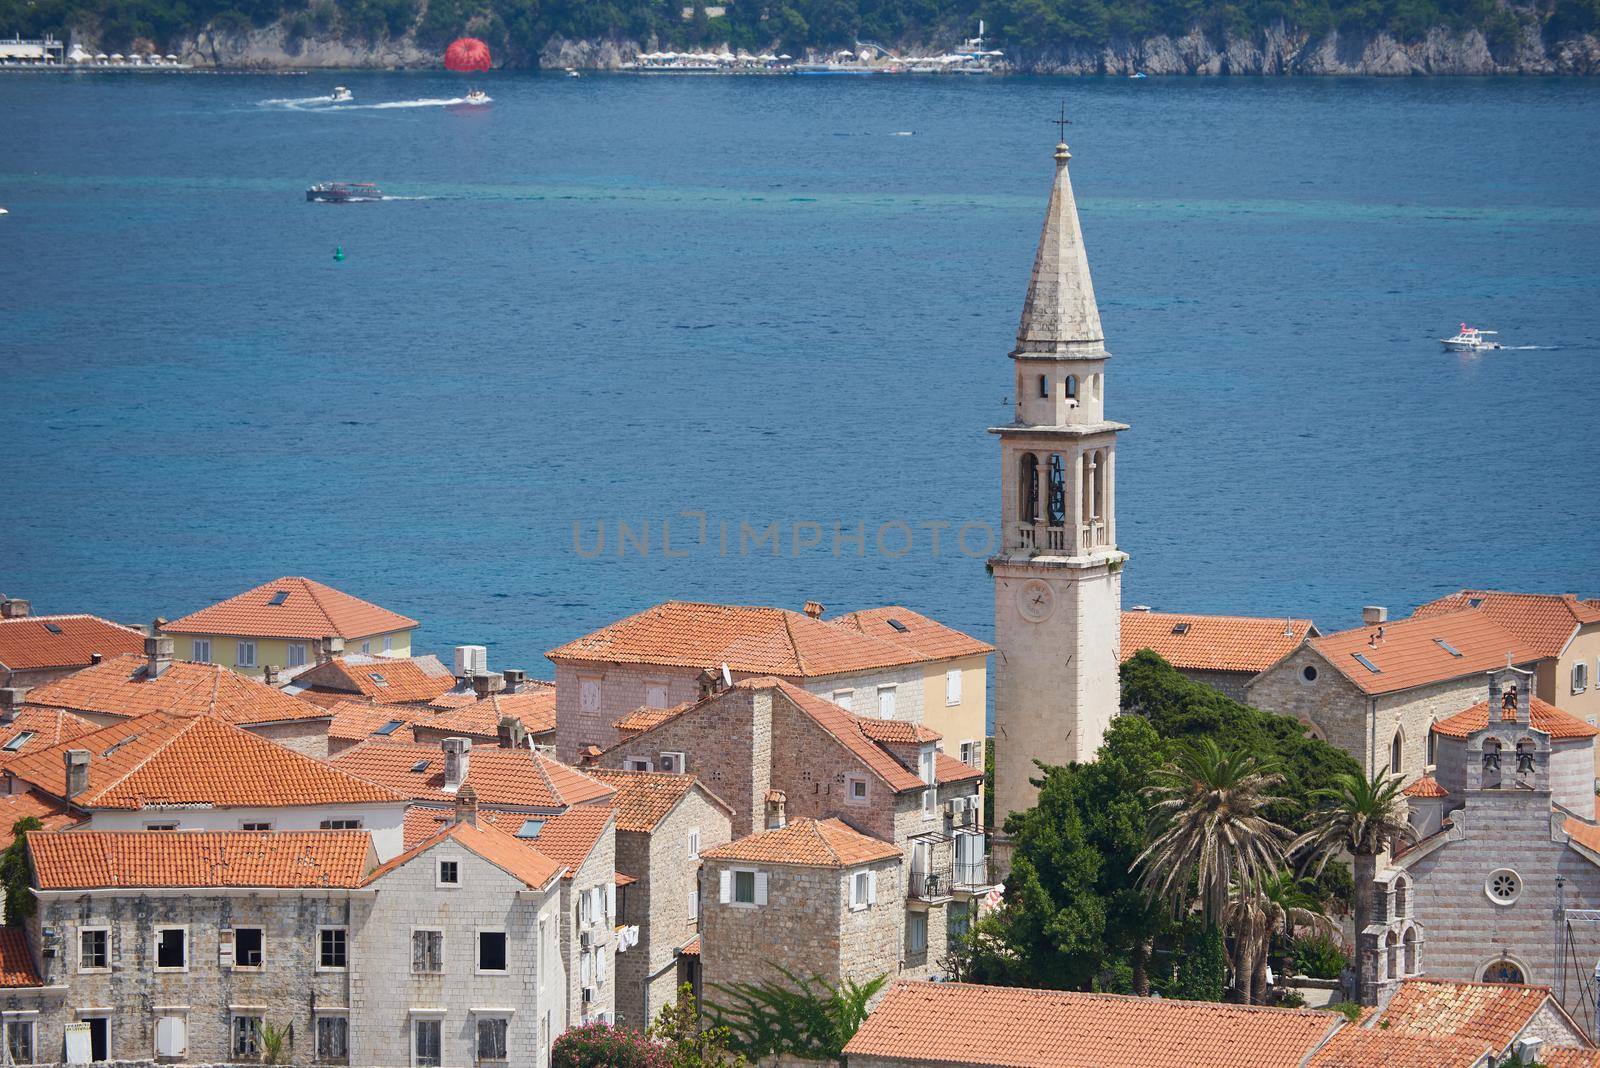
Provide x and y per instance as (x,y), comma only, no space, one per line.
(519,29)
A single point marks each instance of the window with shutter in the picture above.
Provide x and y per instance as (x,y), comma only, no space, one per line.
(694,905)
(761,888)
(588,695)
(872,888)
(171,1036)
(886,702)
(952,686)
(726,894)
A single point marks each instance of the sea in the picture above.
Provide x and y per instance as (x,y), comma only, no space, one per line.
(612,340)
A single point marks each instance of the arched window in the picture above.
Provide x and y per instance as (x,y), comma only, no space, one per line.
(1044,385)
(1099,385)
(1072,387)
(1088,487)
(1433,746)
(1504,971)
(1392,943)
(1029,490)
(1057,504)
(1402,898)
(1397,753)
(1100,484)
(1491,763)
(1413,951)
(1525,751)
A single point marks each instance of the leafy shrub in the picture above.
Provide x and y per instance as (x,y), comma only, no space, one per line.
(1318,956)
(1290,999)
(1348,1009)
(603,1046)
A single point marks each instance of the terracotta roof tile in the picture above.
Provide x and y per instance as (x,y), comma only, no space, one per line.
(45,727)
(534,707)
(122,687)
(509,854)
(623,879)
(309,610)
(959,1023)
(160,760)
(643,798)
(51,813)
(897,731)
(929,637)
(807,843)
(387,680)
(1357,1047)
(567,839)
(850,729)
(1585,834)
(1544,622)
(642,719)
(16,960)
(1213,643)
(1426,786)
(750,640)
(947,769)
(1491,1012)
(355,721)
(1412,651)
(692,948)
(1545,717)
(78,860)
(425,821)
(35,642)
(1569,1057)
(515,777)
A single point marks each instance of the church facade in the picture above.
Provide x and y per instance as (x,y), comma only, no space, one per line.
(1057,581)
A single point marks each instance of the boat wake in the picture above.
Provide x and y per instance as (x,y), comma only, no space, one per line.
(296,103)
(389,105)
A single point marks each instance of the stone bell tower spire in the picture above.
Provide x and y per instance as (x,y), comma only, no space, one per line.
(1057,574)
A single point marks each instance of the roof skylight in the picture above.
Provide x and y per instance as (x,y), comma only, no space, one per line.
(1369,665)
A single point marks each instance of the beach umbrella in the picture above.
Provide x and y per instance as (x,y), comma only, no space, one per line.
(467,54)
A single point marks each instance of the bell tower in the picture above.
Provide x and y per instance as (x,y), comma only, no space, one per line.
(1057,581)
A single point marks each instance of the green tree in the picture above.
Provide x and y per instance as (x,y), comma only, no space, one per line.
(14,872)
(807,1018)
(1202,964)
(688,1045)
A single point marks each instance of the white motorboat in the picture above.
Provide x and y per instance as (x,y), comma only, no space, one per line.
(341,94)
(477,96)
(1471,339)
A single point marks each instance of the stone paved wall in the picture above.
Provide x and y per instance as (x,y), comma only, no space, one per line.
(871,938)
(308,736)
(909,698)
(798,927)
(597,870)
(622,689)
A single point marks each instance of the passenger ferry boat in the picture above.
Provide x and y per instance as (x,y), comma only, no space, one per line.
(343,193)
(1470,339)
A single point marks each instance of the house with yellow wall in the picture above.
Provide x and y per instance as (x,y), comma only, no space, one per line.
(288,623)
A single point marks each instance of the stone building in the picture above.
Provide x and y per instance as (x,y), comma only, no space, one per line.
(38,649)
(183,945)
(288,623)
(196,773)
(459,961)
(1057,572)
(677,652)
(1374,691)
(814,896)
(664,823)
(1504,882)
(1223,652)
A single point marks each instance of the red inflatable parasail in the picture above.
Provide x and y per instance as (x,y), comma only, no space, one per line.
(467,54)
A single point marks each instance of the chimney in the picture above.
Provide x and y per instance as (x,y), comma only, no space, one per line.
(515,677)
(456,752)
(158,653)
(77,762)
(13,608)
(776,818)
(95,658)
(467,804)
(1373,614)
(269,674)
(11,699)
(814,609)
(511,732)
(488,682)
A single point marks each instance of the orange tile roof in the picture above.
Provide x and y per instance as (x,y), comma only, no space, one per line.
(691,948)
(960,1023)
(644,798)
(535,707)
(355,721)
(1585,834)
(568,839)
(807,843)
(16,959)
(929,637)
(160,760)
(1213,643)
(1410,654)
(1543,716)
(750,640)
(87,860)
(848,728)
(122,687)
(642,719)
(51,813)
(32,642)
(897,731)
(1491,1012)
(514,777)
(623,879)
(1426,786)
(947,769)
(1357,1047)
(1569,1057)
(311,610)
(424,821)
(1544,622)
(511,855)
(387,680)
(49,726)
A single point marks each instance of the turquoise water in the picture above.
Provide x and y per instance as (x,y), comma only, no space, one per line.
(783,301)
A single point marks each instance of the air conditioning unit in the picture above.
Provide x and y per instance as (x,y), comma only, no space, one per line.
(586,939)
(471,660)
(954,807)
(671,763)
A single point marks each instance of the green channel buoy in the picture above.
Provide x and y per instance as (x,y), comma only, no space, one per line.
(338,254)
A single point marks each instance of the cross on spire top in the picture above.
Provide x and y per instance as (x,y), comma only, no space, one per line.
(1063,122)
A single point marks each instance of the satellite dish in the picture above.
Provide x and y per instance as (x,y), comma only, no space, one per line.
(727,677)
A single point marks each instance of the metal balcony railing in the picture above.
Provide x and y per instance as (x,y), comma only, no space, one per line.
(968,874)
(927,885)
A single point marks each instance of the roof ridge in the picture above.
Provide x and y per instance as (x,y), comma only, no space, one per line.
(310,589)
(186,724)
(538,764)
(794,646)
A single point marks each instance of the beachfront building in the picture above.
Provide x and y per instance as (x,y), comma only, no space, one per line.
(1375,690)
(1223,652)
(288,623)
(40,649)
(1057,571)
(676,652)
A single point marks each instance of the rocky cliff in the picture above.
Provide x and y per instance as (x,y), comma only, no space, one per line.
(1274,51)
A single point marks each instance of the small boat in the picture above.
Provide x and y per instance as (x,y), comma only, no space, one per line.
(477,97)
(341,94)
(571,73)
(1470,339)
(343,193)
(1138,74)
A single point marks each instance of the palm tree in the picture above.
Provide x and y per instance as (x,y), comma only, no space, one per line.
(1212,804)
(1282,901)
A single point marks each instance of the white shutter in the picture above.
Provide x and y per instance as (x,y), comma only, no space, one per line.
(171,1040)
(952,686)
(761,888)
(872,888)
(694,904)
(611,902)
(886,702)
(586,968)
(600,965)
(727,887)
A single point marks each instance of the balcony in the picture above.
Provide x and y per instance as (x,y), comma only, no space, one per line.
(928,885)
(971,875)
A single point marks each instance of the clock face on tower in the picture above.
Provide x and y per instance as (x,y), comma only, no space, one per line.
(1036,600)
